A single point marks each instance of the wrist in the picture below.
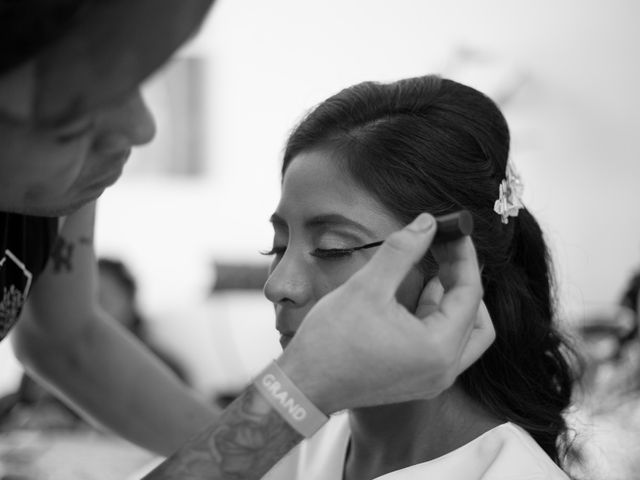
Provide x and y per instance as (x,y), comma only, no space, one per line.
(289,401)
(310,381)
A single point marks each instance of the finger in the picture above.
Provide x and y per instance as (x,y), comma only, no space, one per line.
(483,315)
(430,298)
(460,277)
(397,255)
(482,329)
(433,292)
(457,262)
(482,336)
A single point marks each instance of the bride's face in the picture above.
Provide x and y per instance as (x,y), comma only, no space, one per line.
(322,209)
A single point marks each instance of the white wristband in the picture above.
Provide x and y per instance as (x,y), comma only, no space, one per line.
(289,401)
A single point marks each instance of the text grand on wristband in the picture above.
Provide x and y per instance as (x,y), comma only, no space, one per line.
(274,387)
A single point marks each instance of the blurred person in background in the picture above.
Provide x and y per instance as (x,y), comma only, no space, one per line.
(70,113)
(359,166)
(608,405)
(33,407)
(117,295)
(612,350)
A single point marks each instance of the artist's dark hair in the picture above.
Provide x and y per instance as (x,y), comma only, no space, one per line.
(431,144)
(29,26)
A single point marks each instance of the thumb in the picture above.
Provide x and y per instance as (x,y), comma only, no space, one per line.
(397,255)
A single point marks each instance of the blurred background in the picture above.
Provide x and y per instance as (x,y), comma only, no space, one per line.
(191,211)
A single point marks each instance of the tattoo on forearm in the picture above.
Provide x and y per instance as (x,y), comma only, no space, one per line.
(62,254)
(247,441)
(63,250)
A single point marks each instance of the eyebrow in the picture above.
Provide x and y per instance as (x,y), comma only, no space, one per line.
(324,220)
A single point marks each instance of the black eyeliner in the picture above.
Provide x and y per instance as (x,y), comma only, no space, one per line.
(338,252)
(449,227)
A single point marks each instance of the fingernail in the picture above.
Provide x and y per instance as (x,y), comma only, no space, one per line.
(422,223)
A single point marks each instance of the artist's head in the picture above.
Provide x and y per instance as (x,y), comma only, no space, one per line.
(53,170)
(70,106)
(380,154)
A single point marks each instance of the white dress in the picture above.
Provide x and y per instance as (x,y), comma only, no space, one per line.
(506,452)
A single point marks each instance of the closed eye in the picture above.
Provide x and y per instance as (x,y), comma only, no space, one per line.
(74,130)
(332,252)
(341,252)
(323,252)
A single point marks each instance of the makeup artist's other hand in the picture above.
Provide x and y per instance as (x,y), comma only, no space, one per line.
(359,347)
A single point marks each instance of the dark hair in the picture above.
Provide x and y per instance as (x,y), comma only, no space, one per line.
(28,26)
(431,144)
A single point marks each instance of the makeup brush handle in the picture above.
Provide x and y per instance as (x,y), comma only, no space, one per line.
(453,226)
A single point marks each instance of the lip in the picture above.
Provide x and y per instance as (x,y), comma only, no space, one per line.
(285,339)
(116,162)
(119,160)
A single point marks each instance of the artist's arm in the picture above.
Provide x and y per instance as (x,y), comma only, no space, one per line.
(356,347)
(246,441)
(68,342)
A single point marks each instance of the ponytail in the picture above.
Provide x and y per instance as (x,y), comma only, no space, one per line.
(525,376)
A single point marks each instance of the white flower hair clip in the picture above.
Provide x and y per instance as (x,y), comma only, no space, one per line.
(509,200)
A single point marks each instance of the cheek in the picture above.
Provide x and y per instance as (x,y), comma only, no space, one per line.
(34,163)
(58,167)
(327,280)
(331,274)
(410,289)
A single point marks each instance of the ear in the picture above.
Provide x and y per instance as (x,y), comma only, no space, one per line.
(17,93)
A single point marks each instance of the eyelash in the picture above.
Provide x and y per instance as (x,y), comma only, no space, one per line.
(329,253)
(273,251)
(326,253)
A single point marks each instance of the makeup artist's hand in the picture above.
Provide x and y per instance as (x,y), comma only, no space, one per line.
(359,347)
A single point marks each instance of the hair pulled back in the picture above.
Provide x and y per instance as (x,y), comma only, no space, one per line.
(431,144)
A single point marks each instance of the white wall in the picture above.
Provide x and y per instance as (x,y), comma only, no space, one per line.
(574,126)
(574,123)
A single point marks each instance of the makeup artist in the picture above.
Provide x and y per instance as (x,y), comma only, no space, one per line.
(70,112)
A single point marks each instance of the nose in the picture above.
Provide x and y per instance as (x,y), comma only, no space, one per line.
(124,124)
(288,283)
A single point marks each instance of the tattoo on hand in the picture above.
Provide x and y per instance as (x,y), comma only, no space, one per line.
(61,255)
(249,439)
